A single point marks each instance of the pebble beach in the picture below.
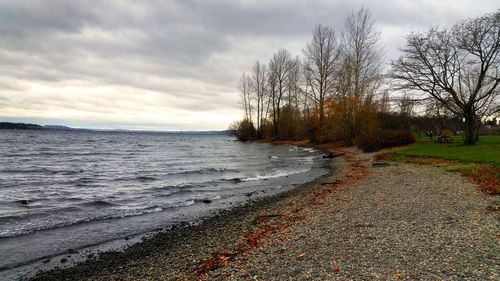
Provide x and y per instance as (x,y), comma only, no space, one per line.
(362,221)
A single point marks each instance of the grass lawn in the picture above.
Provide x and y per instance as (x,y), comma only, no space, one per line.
(479,162)
(487,150)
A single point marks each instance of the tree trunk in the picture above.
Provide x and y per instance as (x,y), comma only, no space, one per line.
(478,126)
(470,129)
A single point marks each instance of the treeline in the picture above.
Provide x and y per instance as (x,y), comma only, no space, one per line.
(336,90)
(19,126)
(330,93)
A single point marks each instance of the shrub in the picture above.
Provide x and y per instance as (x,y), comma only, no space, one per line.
(376,140)
(243,130)
(447,133)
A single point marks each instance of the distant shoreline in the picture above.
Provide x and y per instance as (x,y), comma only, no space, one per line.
(37,127)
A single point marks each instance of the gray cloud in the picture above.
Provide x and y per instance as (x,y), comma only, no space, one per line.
(108,61)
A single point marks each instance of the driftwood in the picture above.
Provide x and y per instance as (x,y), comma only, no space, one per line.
(333,155)
(380,164)
(331,183)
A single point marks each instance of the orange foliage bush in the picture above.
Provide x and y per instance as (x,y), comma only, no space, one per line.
(376,140)
(345,119)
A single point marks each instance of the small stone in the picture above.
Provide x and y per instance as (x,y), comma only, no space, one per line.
(72,251)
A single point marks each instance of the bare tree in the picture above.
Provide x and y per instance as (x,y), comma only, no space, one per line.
(291,123)
(360,71)
(259,87)
(384,103)
(294,77)
(320,59)
(362,53)
(458,67)
(244,87)
(406,105)
(279,69)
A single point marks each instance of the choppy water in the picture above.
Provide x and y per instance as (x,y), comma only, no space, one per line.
(78,188)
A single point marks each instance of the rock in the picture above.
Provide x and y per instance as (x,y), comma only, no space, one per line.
(64,260)
(206,201)
(24,201)
(72,251)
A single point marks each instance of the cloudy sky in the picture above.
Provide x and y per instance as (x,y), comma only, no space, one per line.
(169,65)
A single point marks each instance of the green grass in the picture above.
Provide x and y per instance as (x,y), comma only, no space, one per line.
(479,162)
(487,150)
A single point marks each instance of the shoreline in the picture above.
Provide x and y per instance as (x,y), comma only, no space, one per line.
(397,221)
(172,239)
(27,254)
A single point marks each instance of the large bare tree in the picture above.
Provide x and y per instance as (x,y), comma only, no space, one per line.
(245,87)
(259,87)
(320,61)
(362,53)
(458,67)
(360,71)
(278,79)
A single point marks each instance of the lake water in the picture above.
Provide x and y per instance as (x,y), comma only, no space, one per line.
(62,190)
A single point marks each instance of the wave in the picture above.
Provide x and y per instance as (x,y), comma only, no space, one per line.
(38,223)
(41,171)
(23,171)
(308,149)
(60,218)
(185,203)
(201,171)
(191,190)
(174,189)
(205,171)
(87,182)
(276,174)
(14,216)
(98,204)
(146,178)
(54,152)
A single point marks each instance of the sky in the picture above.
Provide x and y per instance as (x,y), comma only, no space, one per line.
(170,65)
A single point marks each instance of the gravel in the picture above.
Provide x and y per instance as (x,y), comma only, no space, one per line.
(361,222)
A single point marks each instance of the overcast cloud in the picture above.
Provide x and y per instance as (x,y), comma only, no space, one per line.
(168,65)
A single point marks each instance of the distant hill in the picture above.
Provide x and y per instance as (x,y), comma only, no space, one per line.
(25,126)
(57,127)
(19,126)
(28,126)
(223,132)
